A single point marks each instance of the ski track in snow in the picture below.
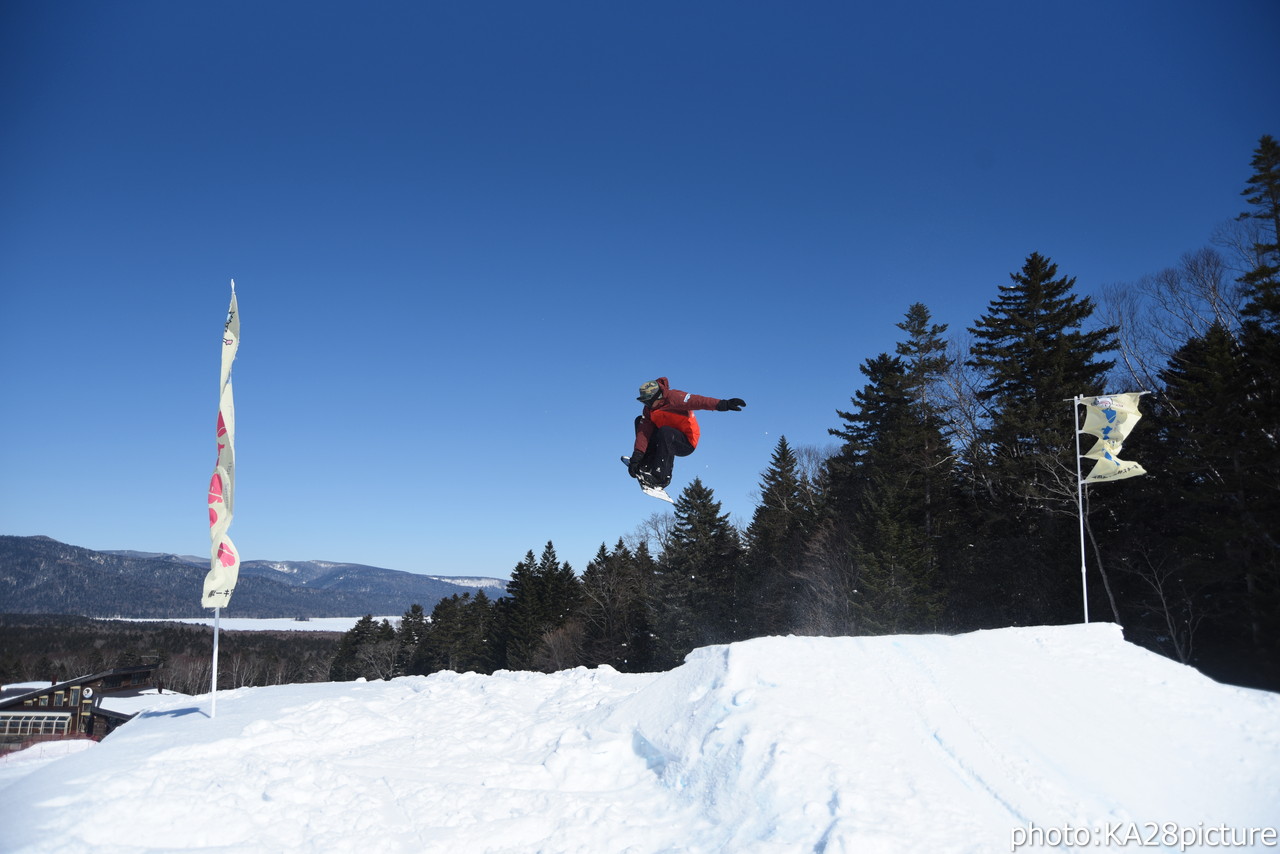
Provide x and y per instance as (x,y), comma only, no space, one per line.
(833,745)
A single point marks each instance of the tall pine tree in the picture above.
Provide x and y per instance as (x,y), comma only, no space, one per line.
(614,610)
(1262,191)
(1260,444)
(457,636)
(698,598)
(892,491)
(368,649)
(780,526)
(1034,353)
(409,635)
(543,595)
(518,622)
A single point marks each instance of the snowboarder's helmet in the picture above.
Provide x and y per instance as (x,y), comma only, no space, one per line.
(649,391)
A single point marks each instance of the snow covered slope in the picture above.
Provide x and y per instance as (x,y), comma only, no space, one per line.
(886,744)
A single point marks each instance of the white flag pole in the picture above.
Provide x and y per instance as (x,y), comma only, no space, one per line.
(1084,584)
(213,690)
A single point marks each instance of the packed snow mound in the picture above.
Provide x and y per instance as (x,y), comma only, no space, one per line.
(886,744)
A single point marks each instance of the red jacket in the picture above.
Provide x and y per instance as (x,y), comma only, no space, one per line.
(671,408)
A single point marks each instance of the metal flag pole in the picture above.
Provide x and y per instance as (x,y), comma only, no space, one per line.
(1084,584)
(213,689)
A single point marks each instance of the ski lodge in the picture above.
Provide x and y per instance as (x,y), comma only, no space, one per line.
(78,708)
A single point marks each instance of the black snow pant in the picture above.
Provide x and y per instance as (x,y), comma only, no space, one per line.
(665,445)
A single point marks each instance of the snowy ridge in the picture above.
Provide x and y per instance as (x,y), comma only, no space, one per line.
(282,568)
(473,581)
(889,744)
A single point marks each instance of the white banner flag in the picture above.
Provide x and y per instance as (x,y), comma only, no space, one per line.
(224,560)
(1111,467)
(1111,418)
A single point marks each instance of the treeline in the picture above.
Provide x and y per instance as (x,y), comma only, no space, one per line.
(38,647)
(950,501)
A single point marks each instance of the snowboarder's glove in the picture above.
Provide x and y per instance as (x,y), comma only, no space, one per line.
(733,403)
(634,464)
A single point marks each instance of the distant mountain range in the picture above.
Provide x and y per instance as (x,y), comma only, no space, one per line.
(39,575)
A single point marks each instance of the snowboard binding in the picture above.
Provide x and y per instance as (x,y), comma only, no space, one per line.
(648,486)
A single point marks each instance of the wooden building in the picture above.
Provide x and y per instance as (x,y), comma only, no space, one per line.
(71,709)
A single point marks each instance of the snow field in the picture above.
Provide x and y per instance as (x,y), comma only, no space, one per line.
(888,744)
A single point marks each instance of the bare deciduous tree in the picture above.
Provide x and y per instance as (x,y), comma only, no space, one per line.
(560,649)
(1171,598)
(1158,314)
(827,581)
(962,409)
(378,659)
(654,533)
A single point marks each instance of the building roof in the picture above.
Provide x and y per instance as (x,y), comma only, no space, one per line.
(46,688)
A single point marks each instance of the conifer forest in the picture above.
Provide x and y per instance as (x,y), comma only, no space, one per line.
(947,500)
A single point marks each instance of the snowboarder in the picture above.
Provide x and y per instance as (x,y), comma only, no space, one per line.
(667,429)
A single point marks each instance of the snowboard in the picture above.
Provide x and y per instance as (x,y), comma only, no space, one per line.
(655,491)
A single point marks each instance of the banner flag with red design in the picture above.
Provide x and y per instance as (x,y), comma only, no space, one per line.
(224,560)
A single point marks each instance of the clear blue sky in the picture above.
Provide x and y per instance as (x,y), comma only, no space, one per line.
(462,234)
